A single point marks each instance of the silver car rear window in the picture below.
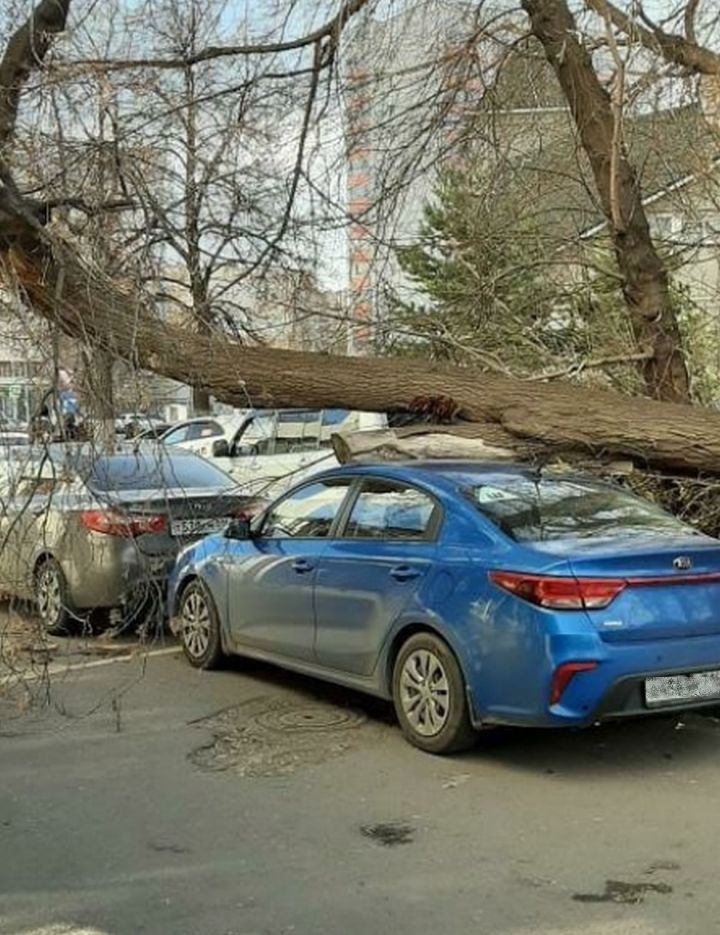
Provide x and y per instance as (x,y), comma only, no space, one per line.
(143,471)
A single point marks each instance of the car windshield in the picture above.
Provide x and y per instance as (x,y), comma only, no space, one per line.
(530,510)
(146,471)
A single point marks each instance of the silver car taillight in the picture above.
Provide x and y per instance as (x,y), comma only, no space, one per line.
(111,523)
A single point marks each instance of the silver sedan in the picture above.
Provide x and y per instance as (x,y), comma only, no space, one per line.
(81,531)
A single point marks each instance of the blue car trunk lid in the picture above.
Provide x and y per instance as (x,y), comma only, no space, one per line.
(672,584)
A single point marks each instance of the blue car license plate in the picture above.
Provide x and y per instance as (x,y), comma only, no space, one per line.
(697,686)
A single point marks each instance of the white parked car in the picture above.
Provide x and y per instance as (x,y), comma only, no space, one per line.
(14,439)
(201,433)
(135,421)
(269,450)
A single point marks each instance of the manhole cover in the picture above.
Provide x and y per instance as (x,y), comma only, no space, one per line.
(310,718)
(275,736)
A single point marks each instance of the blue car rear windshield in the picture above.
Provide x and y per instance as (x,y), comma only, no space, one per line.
(149,471)
(550,508)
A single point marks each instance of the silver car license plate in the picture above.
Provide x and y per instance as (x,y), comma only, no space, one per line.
(697,686)
(185,528)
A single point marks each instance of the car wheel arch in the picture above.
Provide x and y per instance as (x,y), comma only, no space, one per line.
(193,577)
(181,589)
(401,636)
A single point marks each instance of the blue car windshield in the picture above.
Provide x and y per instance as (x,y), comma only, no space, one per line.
(553,508)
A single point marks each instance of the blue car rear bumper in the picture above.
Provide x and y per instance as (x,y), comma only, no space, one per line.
(615,689)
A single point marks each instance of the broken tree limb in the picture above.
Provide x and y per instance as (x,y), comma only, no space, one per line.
(89,305)
(459,442)
(392,446)
(480,441)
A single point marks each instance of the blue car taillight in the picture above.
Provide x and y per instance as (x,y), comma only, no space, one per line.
(560,593)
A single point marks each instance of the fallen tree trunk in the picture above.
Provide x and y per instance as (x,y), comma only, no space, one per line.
(471,440)
(391,446)
(89,305)
(452,442)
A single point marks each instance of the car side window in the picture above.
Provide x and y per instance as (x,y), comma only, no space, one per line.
(390,510)
(207,429)
(177,436)
(308,513)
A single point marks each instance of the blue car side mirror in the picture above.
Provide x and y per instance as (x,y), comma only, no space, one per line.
(239,528)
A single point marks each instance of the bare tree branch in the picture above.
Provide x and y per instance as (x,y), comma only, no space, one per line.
(597,364)
(689,20)
(676,49)
(330,30)
(25,51)
(646,283)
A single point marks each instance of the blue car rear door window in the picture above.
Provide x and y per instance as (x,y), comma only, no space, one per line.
(390,510)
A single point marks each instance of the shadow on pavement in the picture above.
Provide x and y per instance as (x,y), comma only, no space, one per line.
(657,744)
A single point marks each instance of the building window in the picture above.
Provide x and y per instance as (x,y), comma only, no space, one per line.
(690,231)
(18,369)
(359,160)
(663,226)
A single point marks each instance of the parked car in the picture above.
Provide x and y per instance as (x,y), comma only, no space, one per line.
(82,530)
(131,424)
(201,433)
(267,451)
(14,439)
(469,594)
(276,449)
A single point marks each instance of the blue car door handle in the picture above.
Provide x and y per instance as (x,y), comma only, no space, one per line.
(302,566)
(404,573)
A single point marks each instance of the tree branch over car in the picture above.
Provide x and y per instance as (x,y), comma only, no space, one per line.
(62,284)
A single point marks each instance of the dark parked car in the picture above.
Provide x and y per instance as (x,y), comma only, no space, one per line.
(469,594)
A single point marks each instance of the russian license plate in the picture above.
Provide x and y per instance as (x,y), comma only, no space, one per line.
(184,528)
(673,688)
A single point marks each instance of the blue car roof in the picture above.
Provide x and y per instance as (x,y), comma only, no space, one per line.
(453,472)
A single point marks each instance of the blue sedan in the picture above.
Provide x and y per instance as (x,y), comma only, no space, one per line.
(469,594)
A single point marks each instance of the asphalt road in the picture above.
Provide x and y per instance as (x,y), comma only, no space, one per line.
(145,797)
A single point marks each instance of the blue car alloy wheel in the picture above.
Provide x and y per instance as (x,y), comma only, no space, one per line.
(199,627)
(470,594)
(429,696)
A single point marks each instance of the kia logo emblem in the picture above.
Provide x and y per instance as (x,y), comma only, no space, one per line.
(682,563)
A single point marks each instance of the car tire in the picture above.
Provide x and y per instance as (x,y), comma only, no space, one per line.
(51,598)
(199,627)
(429,696)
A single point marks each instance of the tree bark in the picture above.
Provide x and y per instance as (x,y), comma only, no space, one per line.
(645,278)
(193,238)
(87,304)
(483,442)
(96,382)
(26,49)
(476,441)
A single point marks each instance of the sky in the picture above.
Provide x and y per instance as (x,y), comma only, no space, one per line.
(257,17)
